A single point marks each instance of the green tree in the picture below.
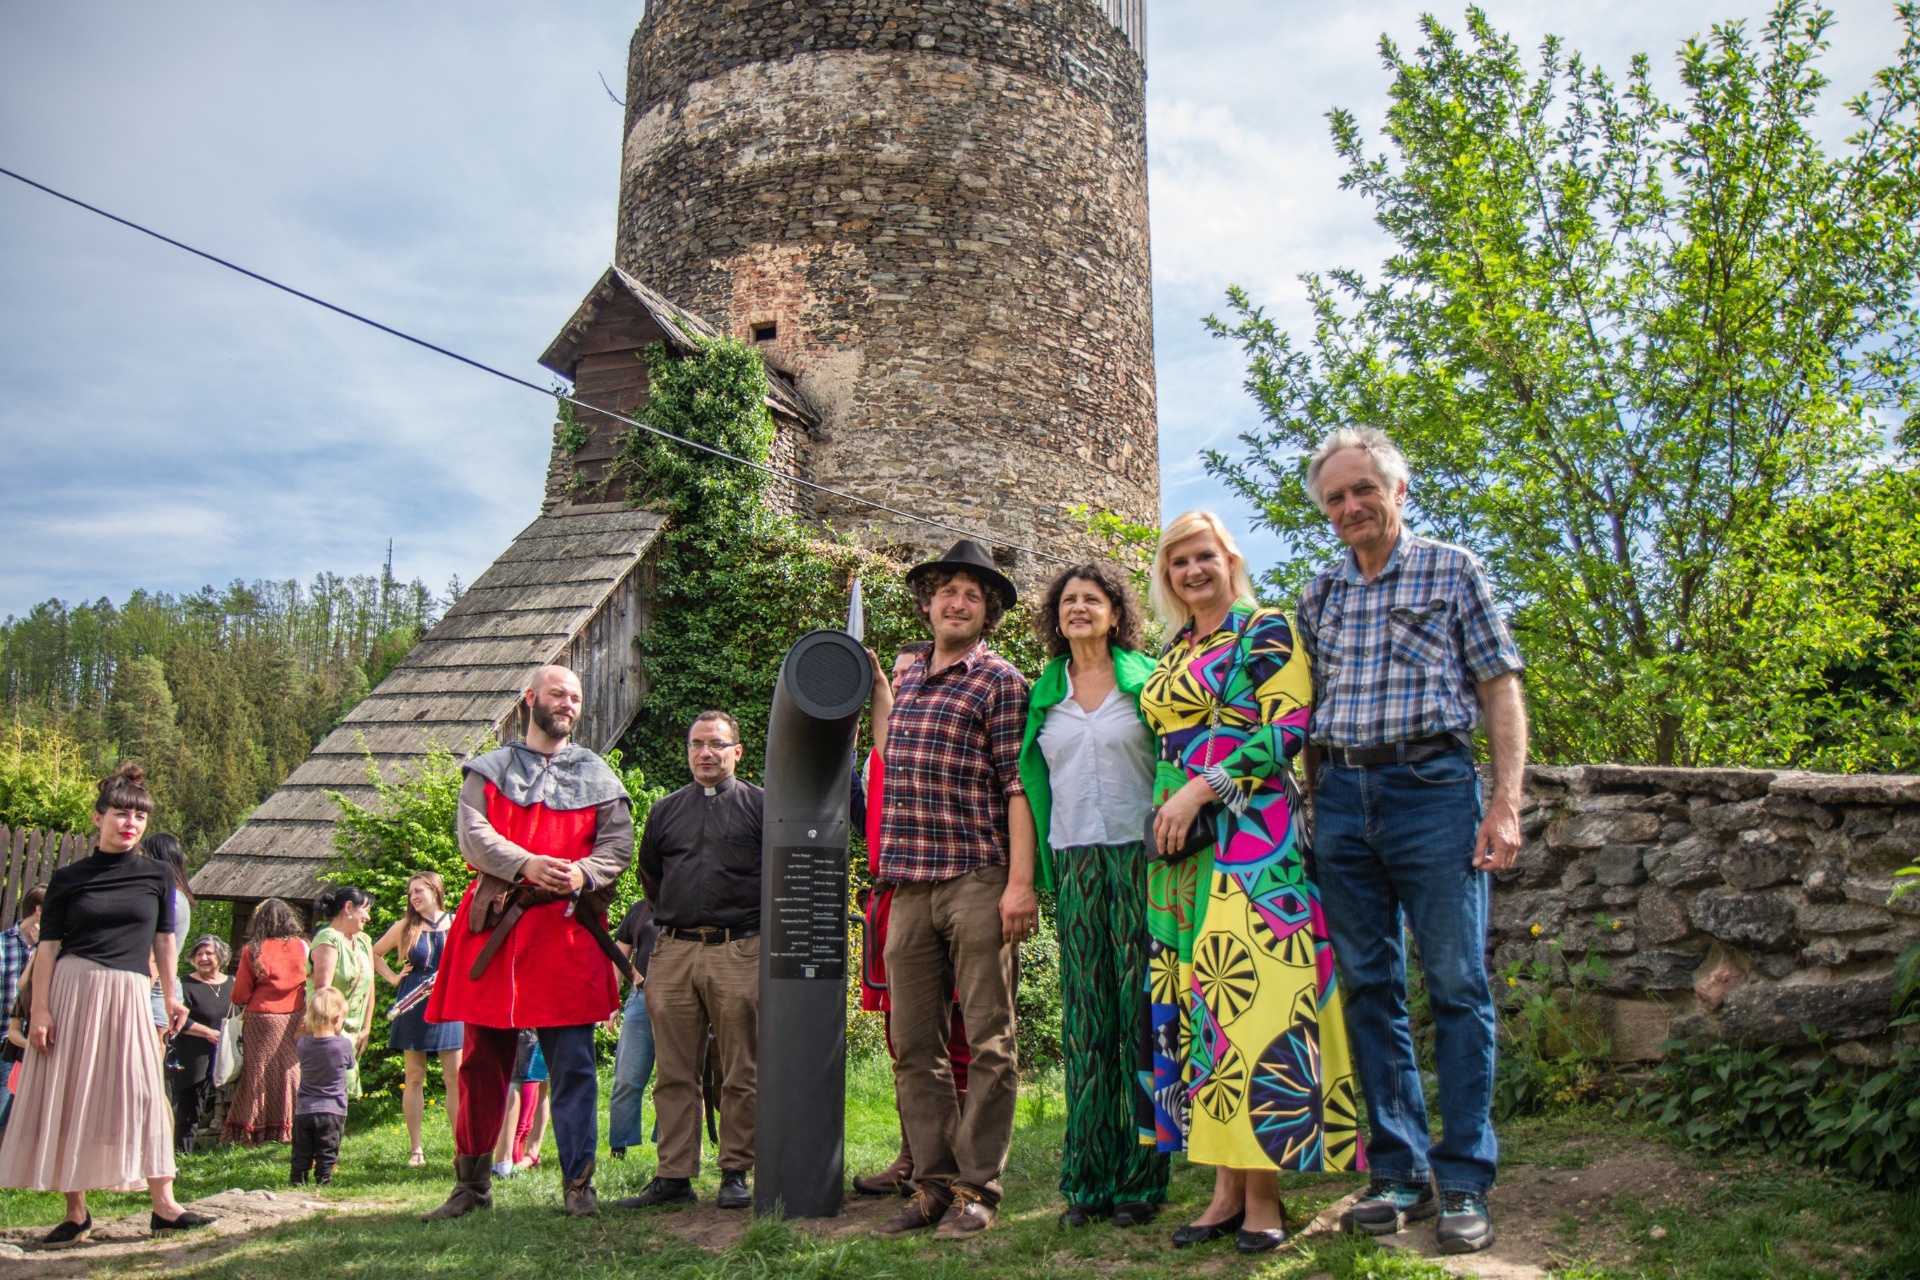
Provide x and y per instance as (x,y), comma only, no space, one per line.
(141,717)
(45,780)
(1615,336)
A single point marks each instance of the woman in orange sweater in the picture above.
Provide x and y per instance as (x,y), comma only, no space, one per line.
(269,983)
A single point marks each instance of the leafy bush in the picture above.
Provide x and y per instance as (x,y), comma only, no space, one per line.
(1551,1051)
(1037,1004)
(45,781)
(1859,1120)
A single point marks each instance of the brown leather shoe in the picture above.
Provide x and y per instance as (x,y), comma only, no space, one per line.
(966,1217)
(922,1211)
(580,1200)
(896,1178)
(472,1188)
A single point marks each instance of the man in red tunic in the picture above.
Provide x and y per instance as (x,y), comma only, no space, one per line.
(548,814)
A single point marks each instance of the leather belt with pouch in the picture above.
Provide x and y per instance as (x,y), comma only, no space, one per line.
(498,904)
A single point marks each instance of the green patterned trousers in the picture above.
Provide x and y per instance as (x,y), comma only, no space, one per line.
(1109,1157)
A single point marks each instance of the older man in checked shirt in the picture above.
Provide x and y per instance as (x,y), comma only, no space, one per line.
(1408,654)
(957,838)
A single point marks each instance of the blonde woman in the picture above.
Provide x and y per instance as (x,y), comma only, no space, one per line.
(420,938)
(1251,1069)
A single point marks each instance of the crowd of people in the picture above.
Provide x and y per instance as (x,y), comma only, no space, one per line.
(1232,985)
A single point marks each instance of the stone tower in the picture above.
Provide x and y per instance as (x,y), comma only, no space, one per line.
(932,216)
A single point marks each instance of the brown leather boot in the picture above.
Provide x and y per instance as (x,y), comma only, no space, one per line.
(895,1178)
(580,1200)
(472,1188)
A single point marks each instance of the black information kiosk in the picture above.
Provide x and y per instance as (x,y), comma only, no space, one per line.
(800,1138)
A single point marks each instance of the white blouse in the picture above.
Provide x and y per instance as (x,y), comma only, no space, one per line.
(1100,769)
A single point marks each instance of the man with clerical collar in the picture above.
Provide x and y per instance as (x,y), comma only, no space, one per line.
(699,863)
(545,822)
(957,839)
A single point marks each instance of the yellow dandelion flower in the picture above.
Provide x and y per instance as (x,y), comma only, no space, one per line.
(1513,982)
(1536,931)
(1617,923)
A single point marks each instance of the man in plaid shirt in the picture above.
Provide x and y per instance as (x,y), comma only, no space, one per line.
(1408,654)
(16,948)
(957,842)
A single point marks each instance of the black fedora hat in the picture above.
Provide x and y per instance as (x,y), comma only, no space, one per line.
(968,556)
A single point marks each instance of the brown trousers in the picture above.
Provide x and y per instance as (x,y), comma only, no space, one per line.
(690,987)
(944,940)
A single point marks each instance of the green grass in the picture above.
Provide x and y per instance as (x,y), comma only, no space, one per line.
(1747,1222)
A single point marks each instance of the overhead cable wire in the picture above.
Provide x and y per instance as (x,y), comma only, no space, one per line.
(523,382)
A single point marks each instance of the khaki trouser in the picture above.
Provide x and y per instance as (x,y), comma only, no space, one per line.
(690,987)
(944,940)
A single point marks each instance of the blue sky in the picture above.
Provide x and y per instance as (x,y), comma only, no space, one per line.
(453,171)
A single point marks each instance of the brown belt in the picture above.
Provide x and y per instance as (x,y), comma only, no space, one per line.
(707,935)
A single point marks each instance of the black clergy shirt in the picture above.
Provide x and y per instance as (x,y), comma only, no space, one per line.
(700,856)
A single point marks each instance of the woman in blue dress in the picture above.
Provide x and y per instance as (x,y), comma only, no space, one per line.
(420,937)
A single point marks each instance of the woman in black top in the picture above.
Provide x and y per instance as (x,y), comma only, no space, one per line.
(92,1108)
(208,992)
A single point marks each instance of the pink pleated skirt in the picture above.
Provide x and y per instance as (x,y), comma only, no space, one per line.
(92,1114)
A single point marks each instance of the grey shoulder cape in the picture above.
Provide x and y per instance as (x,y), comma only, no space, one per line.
(571,778)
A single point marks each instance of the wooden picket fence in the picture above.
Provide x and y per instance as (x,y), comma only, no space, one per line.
(31,855)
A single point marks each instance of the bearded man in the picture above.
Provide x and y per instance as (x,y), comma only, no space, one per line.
(546,824)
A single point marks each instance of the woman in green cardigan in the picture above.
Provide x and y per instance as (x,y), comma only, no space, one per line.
(1087,764)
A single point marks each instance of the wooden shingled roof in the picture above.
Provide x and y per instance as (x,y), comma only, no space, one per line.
(679,328)
(567,590)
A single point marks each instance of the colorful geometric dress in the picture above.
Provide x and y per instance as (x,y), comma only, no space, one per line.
(1251,1068)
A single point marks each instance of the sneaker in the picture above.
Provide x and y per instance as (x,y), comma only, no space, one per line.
(504,1169)
(1465,1225)
(967,1216)
(922,1210)
(1389,1205)
(661,1191)
(734,1191)
(68,1234)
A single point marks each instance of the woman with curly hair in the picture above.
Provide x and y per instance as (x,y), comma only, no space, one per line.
(269,985)
(92,1113)
(1086,761)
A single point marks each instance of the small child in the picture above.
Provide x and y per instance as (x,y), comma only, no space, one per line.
(320,1108)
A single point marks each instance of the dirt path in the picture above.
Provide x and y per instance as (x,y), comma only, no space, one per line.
(1531,1203)
(237,1213)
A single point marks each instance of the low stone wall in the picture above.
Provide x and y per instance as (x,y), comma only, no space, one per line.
(1736,903)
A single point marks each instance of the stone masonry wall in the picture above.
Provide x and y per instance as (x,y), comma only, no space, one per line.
(1733,903)
(941,206)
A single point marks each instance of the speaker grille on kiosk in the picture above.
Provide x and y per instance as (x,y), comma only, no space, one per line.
(828,675)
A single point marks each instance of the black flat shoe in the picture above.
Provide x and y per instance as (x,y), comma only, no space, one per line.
(68,1234)
(1081,1215)
(1134,1213)
(187,1221)
(1259,1241)
(1206,1233)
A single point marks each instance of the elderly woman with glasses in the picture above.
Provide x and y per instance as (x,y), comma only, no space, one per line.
(208,994)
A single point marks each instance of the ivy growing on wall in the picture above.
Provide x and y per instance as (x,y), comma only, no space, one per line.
(737,582)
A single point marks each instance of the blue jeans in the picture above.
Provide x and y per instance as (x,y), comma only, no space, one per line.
(632,1068)
(1394,844)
